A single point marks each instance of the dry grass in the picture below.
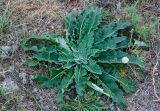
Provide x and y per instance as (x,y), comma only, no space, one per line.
(36,10)
(45,17)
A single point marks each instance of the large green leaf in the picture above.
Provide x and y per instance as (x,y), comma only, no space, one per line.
(46,56)
(40,79)
(109,89)
(124,44)
(44,81)
(92,67)
(106,44)
(54,40)
(80,79)
(88,21)
(33,63)
(69,65)
(126,83)
(56,74)
(49,82)
(40,48)
(109,43)
(115,92)
(109,30)
(117,57)
(84,47)
(66,57)
(47,37)
(70,25)
(66,81)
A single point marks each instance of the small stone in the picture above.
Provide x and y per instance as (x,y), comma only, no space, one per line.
(52,27)
(34,90)
(22,75)
(5,51)
(119,7)
(10,85)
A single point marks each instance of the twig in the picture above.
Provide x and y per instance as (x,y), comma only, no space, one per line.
(153,79)
(158,100)
(158,30)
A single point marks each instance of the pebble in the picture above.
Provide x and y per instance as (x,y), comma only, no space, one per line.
(5,51)
(10,85)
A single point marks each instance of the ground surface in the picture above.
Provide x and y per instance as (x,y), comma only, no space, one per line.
(32,17)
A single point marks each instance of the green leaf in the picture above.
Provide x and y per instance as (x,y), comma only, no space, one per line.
(110,30)
(45,37)
(110,43)
(93,52)
(55,78)
(124,44)
(56,41)
(84,47)
(46,56)
(47,84)
(88,21)
(70,24)
(138,74)
(40,79)
(126,83)
(40,48)
(66,57)
(43,81)
(32,63)
(80,79)
(55,75)
(119,39)
(66,81)
(69,65)
(106,45)
(92,67)
(52,38)
(112,88)
(117,57)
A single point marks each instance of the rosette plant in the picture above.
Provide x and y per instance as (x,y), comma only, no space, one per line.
(91,55)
